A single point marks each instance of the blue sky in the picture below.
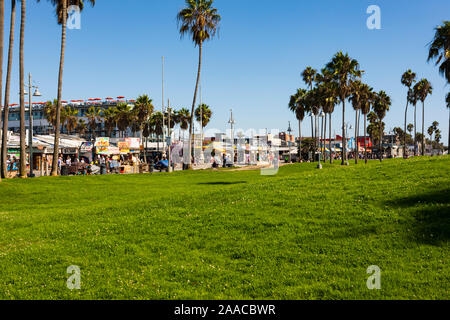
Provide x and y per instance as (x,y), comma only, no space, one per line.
(253,66)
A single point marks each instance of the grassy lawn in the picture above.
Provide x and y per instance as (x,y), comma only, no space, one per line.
(302,234)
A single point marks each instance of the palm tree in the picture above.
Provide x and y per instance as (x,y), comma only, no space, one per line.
(413,98)
(430,132)
(205,114)
(156,123)
(61,14)
(201,20)
(109,118)
(367,98)
(344,70)
(50,112)
(184,117)
(355,99)
(440,49)
(381,107)
(410,128)
(123,117)
(309,77)
(423,89)
(71,117)
(2,26)
(143,109)
(4,150)
(82,127)
(296,105)
(23,160)
(447,100)
(408,79)
(94,115)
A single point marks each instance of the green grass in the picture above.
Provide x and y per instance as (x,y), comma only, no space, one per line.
(302,234)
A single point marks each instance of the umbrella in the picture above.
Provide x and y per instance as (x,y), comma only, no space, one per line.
(120,97)
(109,98)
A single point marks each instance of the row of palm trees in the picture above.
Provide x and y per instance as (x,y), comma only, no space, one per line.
(338,82)
(140,117)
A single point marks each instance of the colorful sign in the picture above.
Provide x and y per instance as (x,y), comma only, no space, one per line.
(133,143)
(101,142)
(107,150)
(124,147)
(86,147)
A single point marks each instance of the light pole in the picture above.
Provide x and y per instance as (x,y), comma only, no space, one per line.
(30,114)
(289,130)
(169,138)
(319,166)
(232,122)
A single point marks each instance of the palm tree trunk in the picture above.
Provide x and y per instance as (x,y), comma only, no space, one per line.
(60,83)
(324,139)
(356,137)
(300,139)
(329,124)
(379,143)
(415,131)
(4,151)
(321,141)
(23,155)
(405,155)
(316,129)
(423,128)
(312,133)
(344,140)
(193,105)
(448,145)
(365,137)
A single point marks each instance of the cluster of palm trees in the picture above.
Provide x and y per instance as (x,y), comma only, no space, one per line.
(61,15)
(338,82)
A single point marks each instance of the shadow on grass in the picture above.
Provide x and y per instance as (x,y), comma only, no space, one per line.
(222,183)
(431,213)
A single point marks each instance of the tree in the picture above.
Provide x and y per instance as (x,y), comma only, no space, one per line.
(344,70)
(408,79)
(4,150)
(2,26)
(447,100)
(367,98)
(440,49)
(201,20)
(94,115)
(423,89)
(123,117)
(381,107)
(430,132)
(23,155)
(206,114)
(296,105)
(109,118)
(50,112)
(309,77)
(410,128)
(71,119)
(356,100)
(61,14)
(413,99)
(184,117)
(81,127)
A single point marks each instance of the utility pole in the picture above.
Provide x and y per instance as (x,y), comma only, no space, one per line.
(30,129)
(169,138)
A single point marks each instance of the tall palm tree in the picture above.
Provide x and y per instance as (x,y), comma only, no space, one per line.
(205,114)
(297,105)
(7,89)
(423,89)
(50,112)
(143,109)
(2,26)
(367,98)
(413,98)
(157,126)
(61,14)
(344,70)
(408,79)
(356,99)
(23,155)
(440,49)
(309,77)
(201,20)
(381,107)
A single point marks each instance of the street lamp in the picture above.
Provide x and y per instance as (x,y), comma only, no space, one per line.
(289,130)
(30,130)
(319,166)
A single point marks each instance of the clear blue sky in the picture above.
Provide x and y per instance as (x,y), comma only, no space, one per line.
(253,66)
